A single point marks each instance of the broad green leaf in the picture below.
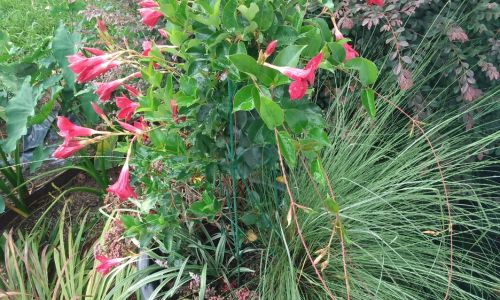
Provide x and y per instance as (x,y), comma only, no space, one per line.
(289,56)
(296,119)
(317,172)
(249,12)
(265,16)
(286,35)
(247,64)
(337,53)
(287,147)
(270,112)
(368,100)
(2,205)
(368,72)
(188,85)
(243,99)
(18,110)
(229,20)
(62,46)
(310,36)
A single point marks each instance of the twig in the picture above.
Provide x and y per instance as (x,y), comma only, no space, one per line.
(293,208)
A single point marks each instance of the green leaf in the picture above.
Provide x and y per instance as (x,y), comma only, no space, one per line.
(337,53)
(317,172)
(310,36)
(296,119)
(243,99)
(368,72)
(247,64)
(2,205)
(265,16)
(207,206)
(249,12)
(229,20)
(188,85)
(331,205)
(287,147)
(368,100)
(270,112)
(289,56)
(62,46)
(17,112)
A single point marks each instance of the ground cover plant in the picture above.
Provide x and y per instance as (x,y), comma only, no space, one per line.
(263,156)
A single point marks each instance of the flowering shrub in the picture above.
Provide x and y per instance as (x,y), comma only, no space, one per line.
(218,91)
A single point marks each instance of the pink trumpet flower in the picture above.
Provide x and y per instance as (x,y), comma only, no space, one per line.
(94,51)
(127,107)
(350,53)
(106,264)
(132,90)
(121,188)
(88,68)
(68,129)
(149,13)
(67,148)
(302,77)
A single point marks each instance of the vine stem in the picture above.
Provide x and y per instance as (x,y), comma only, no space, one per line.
(294,215)
(337,220)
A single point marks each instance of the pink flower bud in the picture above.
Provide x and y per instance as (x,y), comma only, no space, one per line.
(97,109)
(100,25)
(271,47)
(163,33)
(94,51)
(376,2)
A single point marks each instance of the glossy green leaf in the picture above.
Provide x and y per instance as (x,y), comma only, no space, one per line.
(243,99)
(368,100)
(337,53)
(270,112)
(289,56)
(247,64)
(18,110)
(229,20)
(250,11)
(368,72)
(287,147)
